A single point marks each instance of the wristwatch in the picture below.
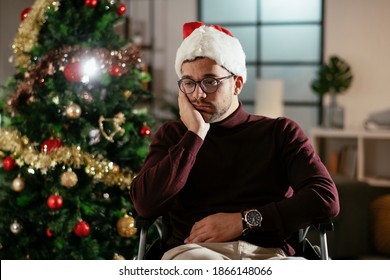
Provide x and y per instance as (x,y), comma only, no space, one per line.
(251,220)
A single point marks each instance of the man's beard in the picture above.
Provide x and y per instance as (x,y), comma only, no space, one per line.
(212,115)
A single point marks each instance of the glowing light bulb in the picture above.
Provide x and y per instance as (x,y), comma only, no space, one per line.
(90,70)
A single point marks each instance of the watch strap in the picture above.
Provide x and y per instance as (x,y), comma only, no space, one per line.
(245,228)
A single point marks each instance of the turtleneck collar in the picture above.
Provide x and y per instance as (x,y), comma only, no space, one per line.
(238,117)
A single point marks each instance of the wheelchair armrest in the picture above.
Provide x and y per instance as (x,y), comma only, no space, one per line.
(141,222)
(321,226)
(143,225)
(324,225)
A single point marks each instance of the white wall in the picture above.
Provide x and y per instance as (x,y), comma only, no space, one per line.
(359,31)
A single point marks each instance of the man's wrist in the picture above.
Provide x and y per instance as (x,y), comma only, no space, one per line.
(244,224)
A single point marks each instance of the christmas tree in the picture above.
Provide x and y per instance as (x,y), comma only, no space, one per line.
(74,133)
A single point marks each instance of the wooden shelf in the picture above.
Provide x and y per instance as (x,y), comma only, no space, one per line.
(360,154)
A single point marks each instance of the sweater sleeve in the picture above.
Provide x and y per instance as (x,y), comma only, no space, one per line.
(165,170)
(314,192)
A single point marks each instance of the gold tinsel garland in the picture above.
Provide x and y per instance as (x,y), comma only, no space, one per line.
(27,35)
(96,166)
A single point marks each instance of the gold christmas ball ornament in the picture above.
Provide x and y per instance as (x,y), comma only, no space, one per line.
(69,179)
(118,257)
(125,226)
(116,168)
(18,184)
(73,111)
(127,94)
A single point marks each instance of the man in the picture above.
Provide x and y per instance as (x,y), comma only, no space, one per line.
(233,185)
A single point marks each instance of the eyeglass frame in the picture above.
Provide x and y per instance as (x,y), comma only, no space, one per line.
(219,81)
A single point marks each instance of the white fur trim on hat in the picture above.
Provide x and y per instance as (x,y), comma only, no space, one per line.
(206,41)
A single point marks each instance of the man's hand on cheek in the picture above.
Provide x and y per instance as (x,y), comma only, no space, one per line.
(192,118)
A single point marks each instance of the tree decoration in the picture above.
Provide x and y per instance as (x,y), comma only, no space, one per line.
(15,227)
(18,184)
(24,93)
(115,71)
(50,144)
(73,72)
(29,29)
(145,130)
(87,97)
(69,179)
(125,226)
(121,9)
(24,13)
(99,168)
(9,163)
(117,121)
(118,257)
(55,202)
(82,229)
(94,136)
(73,111)
(63,53)
(127,94)
(48,232)
(91,3)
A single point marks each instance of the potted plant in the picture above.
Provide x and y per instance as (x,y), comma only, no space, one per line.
(333,78)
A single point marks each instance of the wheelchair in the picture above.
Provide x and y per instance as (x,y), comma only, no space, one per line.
(300,242)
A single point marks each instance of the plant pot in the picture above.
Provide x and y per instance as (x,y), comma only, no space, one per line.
(333,114)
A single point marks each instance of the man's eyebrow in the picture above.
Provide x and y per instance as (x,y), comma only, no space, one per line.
(204,76)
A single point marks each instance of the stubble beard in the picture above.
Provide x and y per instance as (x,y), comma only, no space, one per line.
(215,115)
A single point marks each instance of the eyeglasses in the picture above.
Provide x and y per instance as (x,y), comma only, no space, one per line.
(208,85)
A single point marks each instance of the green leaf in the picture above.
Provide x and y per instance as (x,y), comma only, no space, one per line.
(334,76)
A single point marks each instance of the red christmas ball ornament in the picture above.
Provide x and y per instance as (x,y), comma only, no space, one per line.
(82,229)
(145,130)
(73,72)
(91,3)
(9,163)
(121,9)
(54,202)
(24,13)
(115,70)
(49,233)
(50,144)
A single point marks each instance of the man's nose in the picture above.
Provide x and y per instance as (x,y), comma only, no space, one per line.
(198,93)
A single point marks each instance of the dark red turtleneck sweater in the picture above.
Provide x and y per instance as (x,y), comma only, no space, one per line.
(246,161)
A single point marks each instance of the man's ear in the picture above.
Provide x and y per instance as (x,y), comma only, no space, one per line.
(239,83)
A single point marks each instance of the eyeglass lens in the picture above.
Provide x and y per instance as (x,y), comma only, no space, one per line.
(208,85)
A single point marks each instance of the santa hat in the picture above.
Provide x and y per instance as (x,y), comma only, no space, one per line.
(214,42)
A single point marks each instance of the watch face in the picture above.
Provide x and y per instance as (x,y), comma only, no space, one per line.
(253,217)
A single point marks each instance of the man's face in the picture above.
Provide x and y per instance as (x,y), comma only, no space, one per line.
(215,106)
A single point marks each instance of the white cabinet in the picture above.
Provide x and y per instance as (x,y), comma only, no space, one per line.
(361,154)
